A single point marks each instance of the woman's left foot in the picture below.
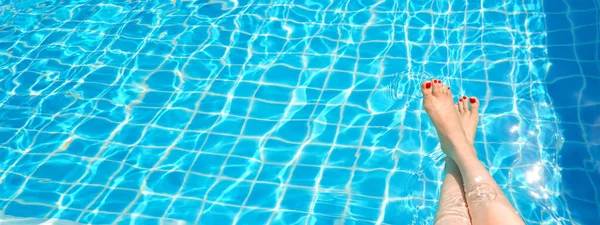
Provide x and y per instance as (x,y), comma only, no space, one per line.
(468,113)
(469,118)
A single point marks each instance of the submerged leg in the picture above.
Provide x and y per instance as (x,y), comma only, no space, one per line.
(452,208)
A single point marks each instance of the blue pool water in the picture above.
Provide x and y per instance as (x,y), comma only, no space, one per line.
(289,112)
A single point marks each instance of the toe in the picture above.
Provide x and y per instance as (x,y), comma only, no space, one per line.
(459,105)
(465,101)
(437,87)
(427,87)
(474,102)
(444,89)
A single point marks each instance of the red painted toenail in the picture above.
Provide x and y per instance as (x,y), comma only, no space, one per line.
(448,88)
(464,97)
(460,100)
(473,100)
(428,85)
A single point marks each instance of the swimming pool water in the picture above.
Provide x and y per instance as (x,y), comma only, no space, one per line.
(289,112)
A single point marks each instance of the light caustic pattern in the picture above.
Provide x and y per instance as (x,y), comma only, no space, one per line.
(256,112)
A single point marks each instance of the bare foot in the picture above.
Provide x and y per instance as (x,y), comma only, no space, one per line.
(437,101)
(469,117)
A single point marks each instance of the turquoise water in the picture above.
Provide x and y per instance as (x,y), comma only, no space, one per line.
(278,112)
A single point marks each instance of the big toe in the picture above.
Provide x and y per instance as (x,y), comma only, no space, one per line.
(426,88)
(474,104)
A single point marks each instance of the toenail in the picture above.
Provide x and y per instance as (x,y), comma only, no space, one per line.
(460,100)
(473,100)
(448,88)
(428,85)
(464,97)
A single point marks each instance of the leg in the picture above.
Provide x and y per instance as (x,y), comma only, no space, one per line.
(487,203)
(452,208)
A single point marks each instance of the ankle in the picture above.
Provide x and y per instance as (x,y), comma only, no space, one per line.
(463,149)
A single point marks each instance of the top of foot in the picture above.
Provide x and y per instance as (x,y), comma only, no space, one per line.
(437,100)
(468,114)
(446,116)
(469,117)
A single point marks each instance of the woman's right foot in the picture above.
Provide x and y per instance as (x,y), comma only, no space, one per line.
(438,104)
